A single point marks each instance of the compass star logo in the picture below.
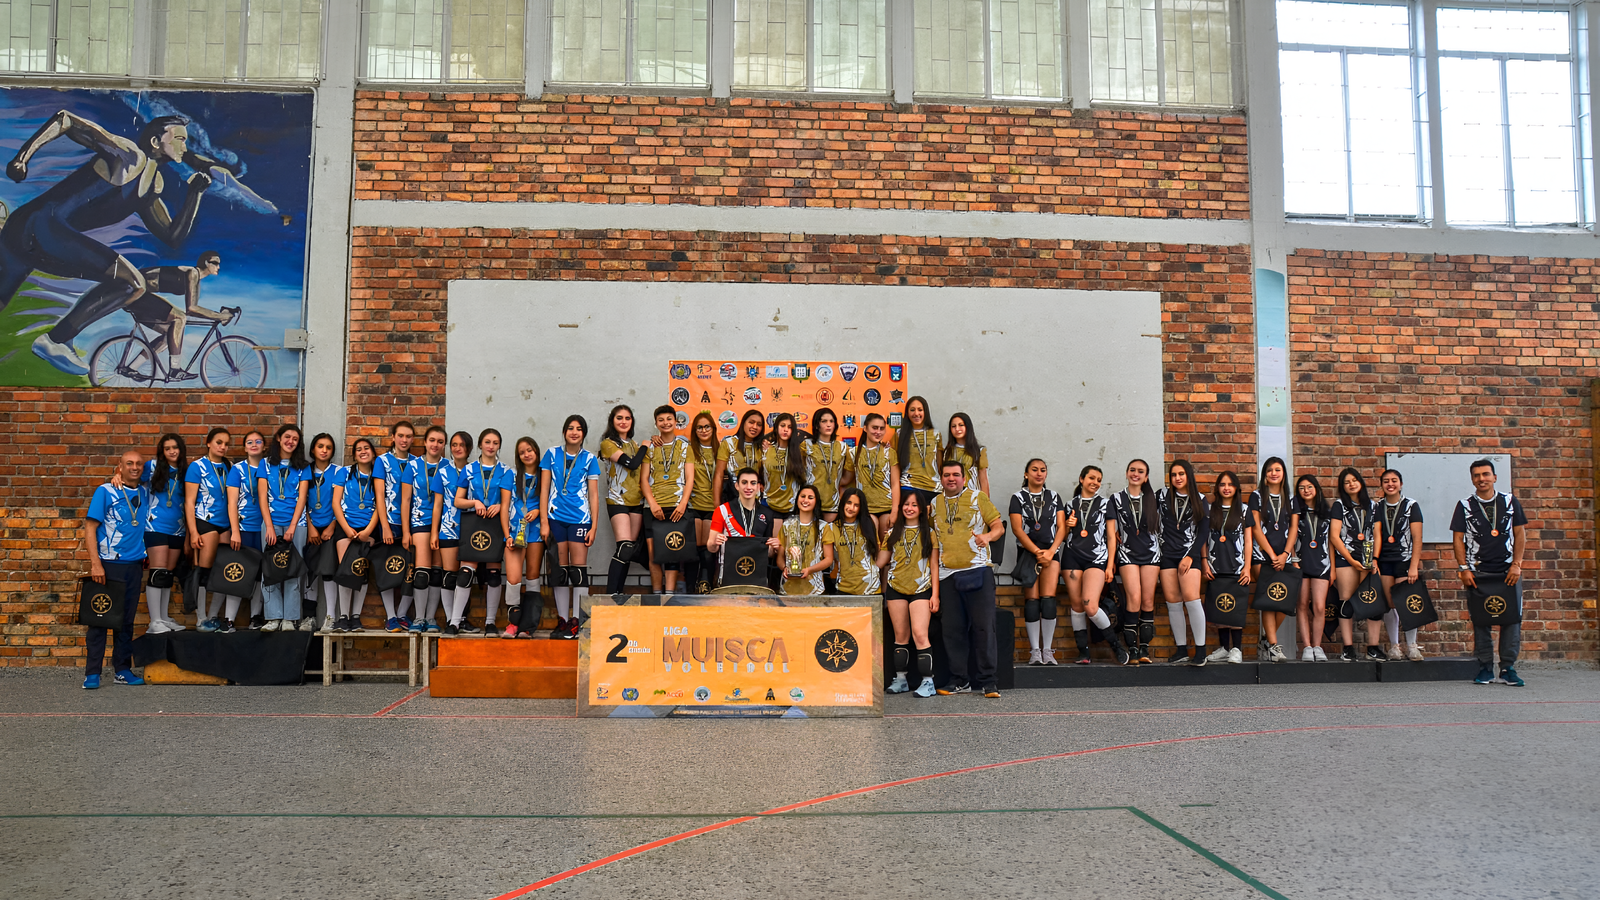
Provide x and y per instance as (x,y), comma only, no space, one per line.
(480,540)
(233,572)
(837,650)
(1225,603)
(1414,603)
(1495,605)
(1277,592)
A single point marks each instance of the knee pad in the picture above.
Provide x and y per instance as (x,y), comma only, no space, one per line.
(464,576)
(1030,610)
(577,576)
(624,552)
(161,578)
(558,576)
(419,579)
(1047,608)
(449,581)
(435,576)
(492,578)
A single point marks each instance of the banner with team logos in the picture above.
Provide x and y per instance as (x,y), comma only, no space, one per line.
(731,655)
(852,389)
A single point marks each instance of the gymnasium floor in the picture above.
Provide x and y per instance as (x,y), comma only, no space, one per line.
(1422,790)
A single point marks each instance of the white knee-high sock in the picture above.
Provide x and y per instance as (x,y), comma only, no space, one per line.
(344,600)
(404,605)
(1047,633)
(563,600)
(1197,620)
(432,609)
(1033,635)
(232,608)
(217,601)
(513,594)
(358,603)
(154,605)
(491,602)
(1411,637)
(388,603)
(330,600)
(1080,621)
(578,593)
(463,594)
(1180,628)
(1101,620)
(1391,623)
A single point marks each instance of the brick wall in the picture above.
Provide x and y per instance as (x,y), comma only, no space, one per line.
(766,152)
(1416,353)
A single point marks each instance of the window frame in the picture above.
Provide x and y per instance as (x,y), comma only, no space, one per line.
(811,90)
(55,38)
(1236,65)
(446,28)
(1063,63)
(629,42)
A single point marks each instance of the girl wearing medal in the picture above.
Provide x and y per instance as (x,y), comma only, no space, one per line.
(322,526)
(911,592)
(1089,560)
(416,498)
(485,489)
(740,450)
(806,546)
(163,527)
(244,521)
(1313,517)
(355,505)
(824,462)
(1039,520)
(1356,531)
(1228,553)
(620,459)
(963,447)
(783,467)
(282,490)
(524,550)
(703,499)
(390,472)
(877,471)
(447,529)
(1138,517)
(1273,532)
(855,543)
(1184,532)
(1397,557)
(569,495)
(918,450)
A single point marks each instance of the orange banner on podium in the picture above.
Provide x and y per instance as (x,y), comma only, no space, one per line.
(730,656)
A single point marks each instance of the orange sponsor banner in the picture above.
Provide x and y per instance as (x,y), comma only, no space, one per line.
(851,388)
(708,657)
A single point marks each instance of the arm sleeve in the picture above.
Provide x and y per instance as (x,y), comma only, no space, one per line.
(1416,512)
(1016,506)
(636,460)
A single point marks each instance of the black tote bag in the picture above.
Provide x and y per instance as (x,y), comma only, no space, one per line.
(1493,602)
(483,540)
(389,565)
(744,562)
(1278,590)
(280,563)
(1226,601)
(1413,604)
(354,568)
(322,560)
(1369,601)
(235,572)
(100,605)
(673,542)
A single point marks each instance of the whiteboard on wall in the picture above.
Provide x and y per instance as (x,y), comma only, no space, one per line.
(1438,481)
(1073,377)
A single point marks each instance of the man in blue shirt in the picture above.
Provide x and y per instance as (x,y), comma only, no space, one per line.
(113,533)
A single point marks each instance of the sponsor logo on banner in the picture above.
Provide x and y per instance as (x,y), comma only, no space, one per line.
(850,422)
(630,694)
(837,650)
(683,421)
(602,691)
(752,396)
(752,372)
(796,694)
(680,372)
(777,371)
(896,396)
(824,372)
(872,373)
(680,396)
(702,694)
(847,371)
(738,696)
(726,419)
(824,396)
(872,397)
(728,371)
(896,373)
(800,371)
(894,420)
(770,696)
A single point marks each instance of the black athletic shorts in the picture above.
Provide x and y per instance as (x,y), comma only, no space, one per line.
(1394,568)
(157,539)
(1073,561)
(449,543)
(617,509)
(890,593)
(204,527)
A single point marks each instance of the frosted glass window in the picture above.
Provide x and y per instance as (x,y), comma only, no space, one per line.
(444,40)
(88,37)
(1169,52)
(989,48)
(629,42)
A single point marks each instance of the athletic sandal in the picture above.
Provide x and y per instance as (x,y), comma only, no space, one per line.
(1034,659)
(1415,654)
(925,689)
(898,685)
(955,689)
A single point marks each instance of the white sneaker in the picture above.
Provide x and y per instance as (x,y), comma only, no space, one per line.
(62,356)
(287,624)
(1235,656)
(270,626)
(156,627)
(899,685)
(1415,654)
(1309,655)
(1321,656)
(1048,656)
(175,625)
(1218,655)
(309,623)
(1034,659)
(328,625)
(1394,652)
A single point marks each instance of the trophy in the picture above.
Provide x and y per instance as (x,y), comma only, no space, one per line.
(794,562)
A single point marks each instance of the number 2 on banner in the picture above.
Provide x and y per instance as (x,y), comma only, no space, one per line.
(616,652)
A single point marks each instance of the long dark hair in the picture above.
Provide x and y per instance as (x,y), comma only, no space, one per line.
(1077,489)
(794,466)
(816,423)
(333,448)
(357,443)
(1147,496)
(1261,485)
(611,433)
(816,511)
(583,426)
(1028,465)
(1192,491)
(899,529)
(1361,496)
(1318,508)
(517,454)
(158,478)
(1223,519)
(970,446)
(902,437)
(744,443)
(212,435)
(488,431)
(864,522)
(694,434)
(449,447)
(862,440)
(297,459)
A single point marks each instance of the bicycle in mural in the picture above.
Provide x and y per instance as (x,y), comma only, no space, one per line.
(136,359)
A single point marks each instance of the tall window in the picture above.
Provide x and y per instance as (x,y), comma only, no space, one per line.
(80,37)
(1505,88)
(239,39)
(662,43)
(989,48)
(811,45)
(443,40)
(1350,110)
(1168,52)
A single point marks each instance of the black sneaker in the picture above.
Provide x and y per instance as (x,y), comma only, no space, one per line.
(226,627)
(1375,654)
(450,630)
(256,622)
(1508,675)
(962,688)
(1179,656)
(1122,653)
(354,624)
(490,629)
(1347,656)
(469,628)
(1199,658)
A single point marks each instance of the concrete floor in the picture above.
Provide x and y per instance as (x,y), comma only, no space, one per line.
(1296,791)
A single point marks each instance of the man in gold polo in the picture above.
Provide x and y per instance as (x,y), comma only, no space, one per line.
(965,523)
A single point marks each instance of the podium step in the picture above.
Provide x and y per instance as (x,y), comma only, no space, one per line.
(494,667)
(496,651)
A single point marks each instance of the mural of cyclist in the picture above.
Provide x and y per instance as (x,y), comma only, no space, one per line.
(168,321)
(122,179)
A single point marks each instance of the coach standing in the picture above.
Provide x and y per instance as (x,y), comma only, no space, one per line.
(1490,535)
(964,524)
(113,534)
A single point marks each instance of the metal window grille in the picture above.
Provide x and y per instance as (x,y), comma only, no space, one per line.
(664,43)
(811,45)
(1162,52)
(280,40)
(990,48)
(448,41)
(85,37)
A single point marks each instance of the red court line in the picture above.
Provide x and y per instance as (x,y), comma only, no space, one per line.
(398,703)
(1204,709)
(686,835)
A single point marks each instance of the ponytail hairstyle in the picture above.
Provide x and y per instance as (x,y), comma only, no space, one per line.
(1028,465)
(1224,520)
(816,424)
(761,429)
(583,427)
(899,529)
(297,459)
(970,445)
(1151,517)
(1077,489)
(902,437)
(1361,496)
(211,436)
(158,477)
(439,428)
(1320,506)
(816,512)
(795,463)
(517,454)
(1192,491)
(864,522)
(862,441)
(611,433)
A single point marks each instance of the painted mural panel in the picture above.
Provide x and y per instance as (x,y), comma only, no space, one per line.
(152,238)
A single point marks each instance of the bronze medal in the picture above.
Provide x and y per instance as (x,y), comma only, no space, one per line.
(1495,533)
(1084,533)
(1391,538)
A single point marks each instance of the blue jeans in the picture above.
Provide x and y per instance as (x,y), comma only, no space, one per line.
(282,600)
(132,577)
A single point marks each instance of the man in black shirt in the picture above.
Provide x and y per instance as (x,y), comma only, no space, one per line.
(1490,536)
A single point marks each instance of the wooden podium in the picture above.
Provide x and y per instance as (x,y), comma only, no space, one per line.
(495,667)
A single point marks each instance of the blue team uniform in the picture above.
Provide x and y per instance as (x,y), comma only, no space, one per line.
(319,499)
(283,491)
(484,483)
(360,497)
(164,513)
(120,536)
(569,484)
(210,499)
(445,482)
(392,469)
(420,475)
(243,476)
(524,497)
